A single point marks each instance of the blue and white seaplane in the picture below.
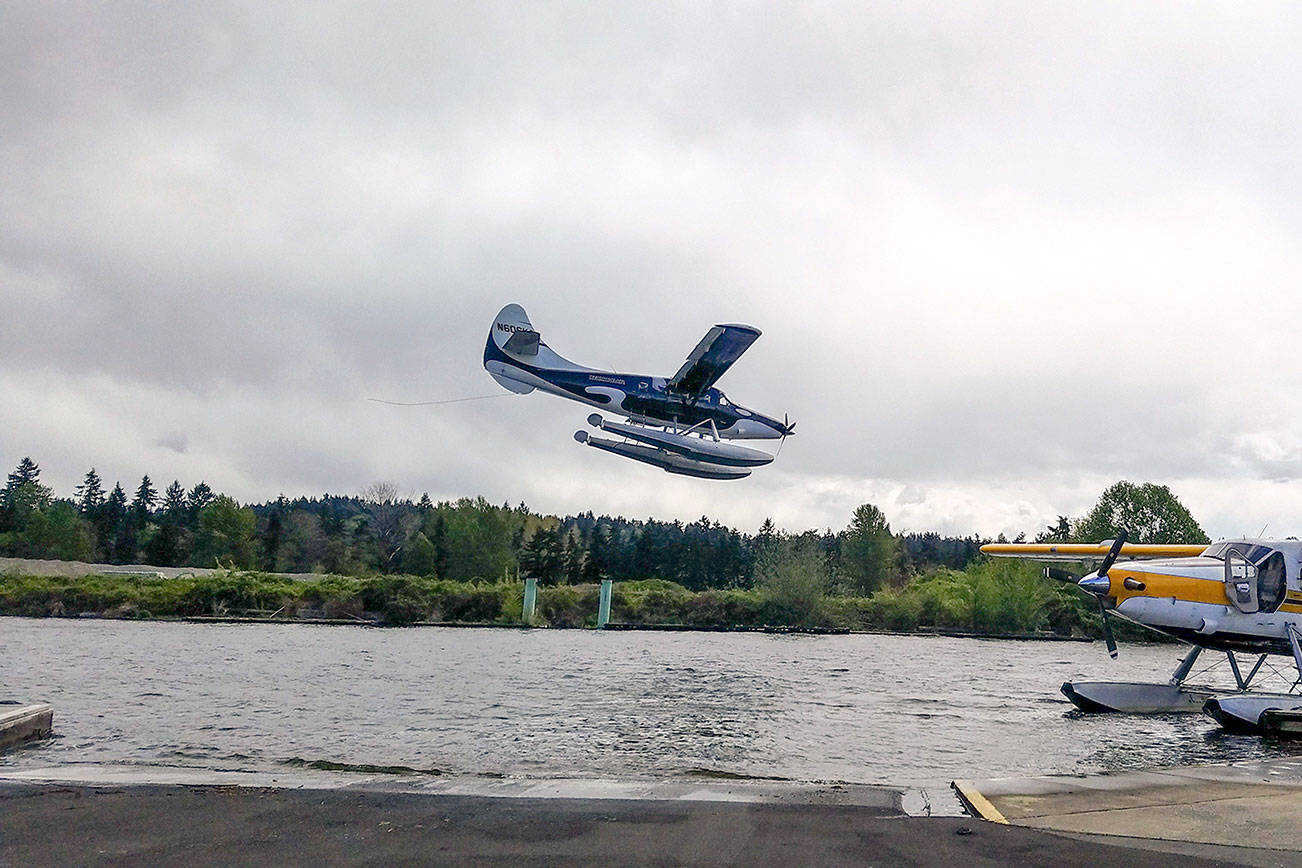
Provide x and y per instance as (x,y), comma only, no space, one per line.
(680,423)
(1237,596)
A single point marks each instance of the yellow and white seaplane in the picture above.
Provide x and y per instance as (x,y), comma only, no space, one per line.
(1233,596)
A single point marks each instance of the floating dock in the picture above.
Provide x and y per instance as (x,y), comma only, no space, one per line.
(23,723)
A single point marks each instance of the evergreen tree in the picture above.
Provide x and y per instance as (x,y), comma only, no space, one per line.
(1060,532)
(169,546)
(90,493)
(425,504)
(174,506)
(119,538)
(272,535)
(22,496)
(26,472)
(572,556)
(145,499)
(595,565)
(199,497)
(542,557)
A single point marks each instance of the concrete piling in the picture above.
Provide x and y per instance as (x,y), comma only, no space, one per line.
(530,600)
(603,608)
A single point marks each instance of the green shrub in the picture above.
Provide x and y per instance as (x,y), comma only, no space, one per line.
(793,575)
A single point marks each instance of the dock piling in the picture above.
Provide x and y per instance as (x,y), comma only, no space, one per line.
(530,600)
(603,608)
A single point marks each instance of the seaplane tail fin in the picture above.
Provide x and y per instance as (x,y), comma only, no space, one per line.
(514,334)
(515,353)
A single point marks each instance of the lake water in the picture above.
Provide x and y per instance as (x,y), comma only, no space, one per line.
(900,710)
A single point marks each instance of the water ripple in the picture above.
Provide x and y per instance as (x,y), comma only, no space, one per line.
(903,710)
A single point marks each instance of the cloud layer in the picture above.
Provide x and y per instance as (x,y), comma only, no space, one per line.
(1002,256)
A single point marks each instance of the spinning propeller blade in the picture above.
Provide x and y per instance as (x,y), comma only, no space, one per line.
(1060,575)
(1108,638)
(1111,557)
(1108,561)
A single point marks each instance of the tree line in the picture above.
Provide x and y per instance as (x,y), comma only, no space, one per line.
(376,532)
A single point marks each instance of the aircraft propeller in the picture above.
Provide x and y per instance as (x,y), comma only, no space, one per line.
(1098,585)
(1108,560)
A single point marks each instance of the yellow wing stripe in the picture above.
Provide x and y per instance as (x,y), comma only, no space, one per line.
(1089,550)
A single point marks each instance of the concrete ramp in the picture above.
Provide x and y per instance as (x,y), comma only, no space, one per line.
(1254,805)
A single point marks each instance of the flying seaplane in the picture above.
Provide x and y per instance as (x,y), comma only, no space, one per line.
(679,424)
(1233,596)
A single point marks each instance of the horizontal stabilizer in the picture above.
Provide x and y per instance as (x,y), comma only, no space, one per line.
(522,343)
(514,385)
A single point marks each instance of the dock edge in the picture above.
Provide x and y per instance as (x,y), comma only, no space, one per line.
(978,804)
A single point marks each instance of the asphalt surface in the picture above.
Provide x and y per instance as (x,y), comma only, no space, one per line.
(51,824)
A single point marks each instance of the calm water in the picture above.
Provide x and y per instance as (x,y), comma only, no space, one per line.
(872,709)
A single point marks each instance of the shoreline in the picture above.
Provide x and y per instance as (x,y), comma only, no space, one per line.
(612,626)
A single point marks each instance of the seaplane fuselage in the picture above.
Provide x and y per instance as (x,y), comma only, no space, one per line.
(1233,596)
(638,397)
(675,423)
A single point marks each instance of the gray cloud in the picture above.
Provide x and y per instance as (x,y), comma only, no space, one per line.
(1001,255)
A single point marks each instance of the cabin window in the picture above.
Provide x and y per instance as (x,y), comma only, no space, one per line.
(1255,577)
(1271,584)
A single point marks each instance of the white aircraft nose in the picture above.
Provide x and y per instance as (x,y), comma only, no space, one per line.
(753,429)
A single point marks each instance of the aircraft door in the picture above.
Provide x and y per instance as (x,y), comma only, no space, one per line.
(1272,584)
(1240,580)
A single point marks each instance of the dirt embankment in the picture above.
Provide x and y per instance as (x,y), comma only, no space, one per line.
(34,567)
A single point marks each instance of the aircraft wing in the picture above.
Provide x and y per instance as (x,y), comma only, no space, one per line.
(721,346)
(1087,551)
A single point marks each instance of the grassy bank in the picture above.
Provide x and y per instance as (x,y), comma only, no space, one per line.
(994,598)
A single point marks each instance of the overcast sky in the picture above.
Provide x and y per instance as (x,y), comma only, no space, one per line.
(1003,254)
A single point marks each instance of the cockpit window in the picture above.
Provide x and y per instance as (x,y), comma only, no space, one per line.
(1254,553)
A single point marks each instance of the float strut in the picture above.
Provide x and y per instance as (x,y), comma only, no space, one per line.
(1260,660)
(1297,652)
(1187,664)
(1234,667)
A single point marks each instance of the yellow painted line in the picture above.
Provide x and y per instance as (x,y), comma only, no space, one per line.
(979,804)
(1189,589)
